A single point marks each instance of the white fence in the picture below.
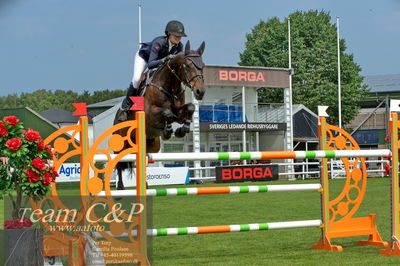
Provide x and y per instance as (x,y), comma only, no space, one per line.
(303,170)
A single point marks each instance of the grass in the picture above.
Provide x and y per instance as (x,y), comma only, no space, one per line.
(280,247)
(275,247)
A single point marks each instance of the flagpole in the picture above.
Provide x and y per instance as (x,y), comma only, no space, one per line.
(339,87)
(289,145)
(140,22)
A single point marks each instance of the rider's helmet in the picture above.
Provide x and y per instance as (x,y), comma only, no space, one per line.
(176,28)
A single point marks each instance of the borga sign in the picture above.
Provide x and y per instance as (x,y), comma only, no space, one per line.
(234,75)
(242,173)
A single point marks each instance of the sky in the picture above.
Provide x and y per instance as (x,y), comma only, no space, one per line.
(90,44)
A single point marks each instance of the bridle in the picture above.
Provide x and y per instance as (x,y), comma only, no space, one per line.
(197,62)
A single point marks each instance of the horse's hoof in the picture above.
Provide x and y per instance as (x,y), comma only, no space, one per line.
(167,132)
(120,188)
(179,133)
(166,135)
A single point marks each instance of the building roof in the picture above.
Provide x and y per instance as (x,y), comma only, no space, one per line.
(59,116)
(277,114)
(107,103)
(56,115)
(298,107)
(383,83)
(31,119)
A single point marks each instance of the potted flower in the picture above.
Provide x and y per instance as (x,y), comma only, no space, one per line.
(24,173)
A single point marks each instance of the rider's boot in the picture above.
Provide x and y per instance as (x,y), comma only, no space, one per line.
(127,103)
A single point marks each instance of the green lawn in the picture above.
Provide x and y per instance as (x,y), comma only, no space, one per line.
(275,247)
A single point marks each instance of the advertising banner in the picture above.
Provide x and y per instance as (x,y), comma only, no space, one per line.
(242,173)
(157,176)
(246,76)
(69,172)
(259,127)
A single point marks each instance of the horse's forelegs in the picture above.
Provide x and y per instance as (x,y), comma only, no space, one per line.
(167,131)
(185,114)
(169,117)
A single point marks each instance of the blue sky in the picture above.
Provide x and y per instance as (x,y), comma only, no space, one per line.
(89,44)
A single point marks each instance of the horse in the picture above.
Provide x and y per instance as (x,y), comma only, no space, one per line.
(164,100)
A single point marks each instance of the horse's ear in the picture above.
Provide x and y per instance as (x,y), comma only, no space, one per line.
(187,47)
(200,51)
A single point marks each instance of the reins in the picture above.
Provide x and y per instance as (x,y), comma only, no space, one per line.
(186,80)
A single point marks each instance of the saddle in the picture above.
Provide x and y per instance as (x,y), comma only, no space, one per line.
(145,80)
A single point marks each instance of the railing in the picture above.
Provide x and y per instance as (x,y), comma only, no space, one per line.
(232,112)
(379,170)
(304,170)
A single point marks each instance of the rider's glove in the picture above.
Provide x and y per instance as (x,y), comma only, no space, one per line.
(168,57)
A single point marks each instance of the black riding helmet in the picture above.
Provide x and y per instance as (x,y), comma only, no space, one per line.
(176,28)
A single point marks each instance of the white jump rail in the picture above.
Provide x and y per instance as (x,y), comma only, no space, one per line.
(215,156)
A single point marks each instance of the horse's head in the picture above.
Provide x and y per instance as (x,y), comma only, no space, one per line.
(191,69)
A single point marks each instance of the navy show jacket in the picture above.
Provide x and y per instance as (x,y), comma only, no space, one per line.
(152,52)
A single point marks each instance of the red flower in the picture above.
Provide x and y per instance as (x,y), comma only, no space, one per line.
(40,145)
(47,148)
(32,176)
(47,179)
(18,224)
(39,164)
(14,143)
(54,172)
(3,130)
(12,120)
(32,135)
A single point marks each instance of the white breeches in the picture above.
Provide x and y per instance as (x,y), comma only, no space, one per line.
(138,67)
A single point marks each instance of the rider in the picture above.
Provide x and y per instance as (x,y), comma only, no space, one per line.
(152,55)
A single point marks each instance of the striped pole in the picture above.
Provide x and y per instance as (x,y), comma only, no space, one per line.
(141,180)
(395,178)
(263,155)
(217,190)
(325,184)
(394,248)
(84,147)
(223,228)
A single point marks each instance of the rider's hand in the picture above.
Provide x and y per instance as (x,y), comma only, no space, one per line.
(168,57)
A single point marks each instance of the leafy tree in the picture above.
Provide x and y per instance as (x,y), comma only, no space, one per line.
(41,100)
(314,60)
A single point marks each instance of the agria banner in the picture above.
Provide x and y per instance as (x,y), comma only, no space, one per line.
(69,172)
(242,173)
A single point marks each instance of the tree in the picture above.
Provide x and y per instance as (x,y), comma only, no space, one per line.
(314,61)
(41,100)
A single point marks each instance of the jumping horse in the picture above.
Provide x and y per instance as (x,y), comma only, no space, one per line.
(164,100)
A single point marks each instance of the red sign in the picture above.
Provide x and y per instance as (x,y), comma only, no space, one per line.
(80,109)
(138,103)
(242,173)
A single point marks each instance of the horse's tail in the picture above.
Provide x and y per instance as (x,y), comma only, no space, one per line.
(125,165)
